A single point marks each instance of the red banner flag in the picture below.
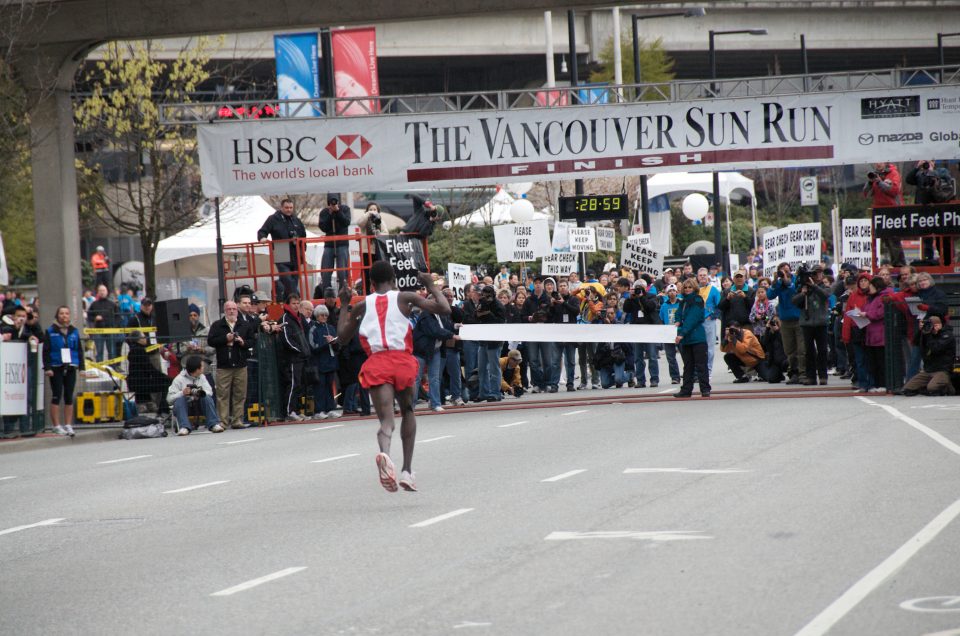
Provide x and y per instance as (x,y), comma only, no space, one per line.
(355,69)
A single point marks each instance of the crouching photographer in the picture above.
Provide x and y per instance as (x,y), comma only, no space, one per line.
(937,344)
(190,391)
(742,352)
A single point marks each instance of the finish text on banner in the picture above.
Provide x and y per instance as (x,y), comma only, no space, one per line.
(404,152)
(855,243)
(405,254)
(522,242)
(559,264)
(606,239)
(582,239)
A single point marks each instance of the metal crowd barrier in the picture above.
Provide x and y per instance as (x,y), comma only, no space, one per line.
(22,385)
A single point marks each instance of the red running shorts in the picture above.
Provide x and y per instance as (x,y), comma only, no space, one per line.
(398,368)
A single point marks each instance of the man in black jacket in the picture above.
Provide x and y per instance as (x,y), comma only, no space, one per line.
(489,312)
(541,356)
(293,353)
(229,337)
(425,216)
(334,221)
(284,225)
(103,313)
(641,308)
(938,345)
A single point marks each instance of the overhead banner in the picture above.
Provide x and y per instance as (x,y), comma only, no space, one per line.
(298,72)
(405,254)
(855,243)
(355,69)
(796,244)
(558,264)
(522,242)
(582,239)
(457,277)
(606,239)
(916,220)
(412,151)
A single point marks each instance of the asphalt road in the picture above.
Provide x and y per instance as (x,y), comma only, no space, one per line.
(810,516)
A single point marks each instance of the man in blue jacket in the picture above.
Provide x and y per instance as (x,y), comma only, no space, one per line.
(784,288)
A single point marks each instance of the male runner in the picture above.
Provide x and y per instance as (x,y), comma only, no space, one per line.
(390,370)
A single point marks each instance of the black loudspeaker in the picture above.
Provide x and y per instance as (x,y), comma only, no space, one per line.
(173,319)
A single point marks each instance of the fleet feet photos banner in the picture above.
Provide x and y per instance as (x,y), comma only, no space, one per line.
(405,152)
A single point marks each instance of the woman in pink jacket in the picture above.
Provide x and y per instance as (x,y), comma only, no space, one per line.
(879,295)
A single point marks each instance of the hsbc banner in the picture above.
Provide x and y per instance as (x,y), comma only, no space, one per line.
(397,152)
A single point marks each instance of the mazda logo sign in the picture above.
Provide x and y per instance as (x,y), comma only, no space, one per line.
(865,139)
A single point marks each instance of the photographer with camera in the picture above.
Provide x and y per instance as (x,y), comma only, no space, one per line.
(541,356)
(425,217)
(189,390)
(642,308)
(371,224)
(933,185)
(489,312)
(510,380)
(742,351)
(334,221)
(784,288)
(937,344)
(812,298)
(884,189)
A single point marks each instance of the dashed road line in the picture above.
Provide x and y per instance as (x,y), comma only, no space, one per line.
(259,581)
(240,441)
(443,517)
(686,471)
(125,459)
(197,487)
(926,430)
(333,459)
(513,424)
(434,439)
(564,475)
(39,524)
(575,412)
(657,535)
(326,428)
(8,477)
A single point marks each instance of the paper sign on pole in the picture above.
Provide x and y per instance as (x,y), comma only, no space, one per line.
(13,378)
(458,276)
(559,264)
(795,244)
(855,243)
(561,239)
(522,242)
(643,258)
(606,239)
(640,239)
(582,239)
(808,191)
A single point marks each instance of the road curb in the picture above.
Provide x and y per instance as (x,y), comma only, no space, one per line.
(49,440)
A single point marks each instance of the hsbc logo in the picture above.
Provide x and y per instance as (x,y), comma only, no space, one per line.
(348,147)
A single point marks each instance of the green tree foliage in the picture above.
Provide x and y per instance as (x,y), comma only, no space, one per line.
(16,191)
(466,245)
(121,113)
(656,66)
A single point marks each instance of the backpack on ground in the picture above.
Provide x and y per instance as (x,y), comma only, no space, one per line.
(142,427)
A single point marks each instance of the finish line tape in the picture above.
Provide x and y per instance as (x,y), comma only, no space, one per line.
(549,332)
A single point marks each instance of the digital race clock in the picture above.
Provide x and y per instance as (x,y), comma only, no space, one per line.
(594,207)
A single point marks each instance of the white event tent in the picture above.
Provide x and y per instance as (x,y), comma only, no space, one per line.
(187,261)
(495,212)
(678,184)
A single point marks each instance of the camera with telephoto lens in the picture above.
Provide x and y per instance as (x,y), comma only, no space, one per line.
(734,333)
(803,276)
(376,221)
(196,392)
(926,326)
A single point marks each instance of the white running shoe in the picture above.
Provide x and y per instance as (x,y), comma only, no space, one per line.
(59,430)
(437,409)
(294,417)
(321,415)
(184,431)
(407,481)
(458,402)
(388,474)
(69,429)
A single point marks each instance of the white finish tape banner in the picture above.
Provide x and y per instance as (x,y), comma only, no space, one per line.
(795,244)
(582,239)
(855,243)
(522,242)
(570,333)
(606,239)
(410,152)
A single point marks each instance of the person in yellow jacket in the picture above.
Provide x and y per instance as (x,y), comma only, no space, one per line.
(510,379)
(742,351)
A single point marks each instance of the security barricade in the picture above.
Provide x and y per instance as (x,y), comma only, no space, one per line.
(21,389)
(269,407)
(894,342)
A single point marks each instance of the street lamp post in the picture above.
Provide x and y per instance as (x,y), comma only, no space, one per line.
(717,238)
(940,37)
(695,12)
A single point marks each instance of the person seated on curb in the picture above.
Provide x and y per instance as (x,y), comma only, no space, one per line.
(191,388)
(742,351)
(937,344)
(510,380)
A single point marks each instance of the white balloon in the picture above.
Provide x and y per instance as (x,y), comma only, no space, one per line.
(447,225)
(521,211)
(695,206)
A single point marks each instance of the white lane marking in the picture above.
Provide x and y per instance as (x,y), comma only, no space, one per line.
(513,424)
(8,477)
(666,391)
(575,412)
(929,432)
(471,624)
(434,439)
(949,632)
(687,471)
(449,515)
(333,459)
(657,535)
(260,581)
(241,441)
(197,487)
(326,428)
(125,459)
(915,604)
(48,522)
(564,475)
(829,617)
